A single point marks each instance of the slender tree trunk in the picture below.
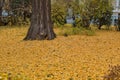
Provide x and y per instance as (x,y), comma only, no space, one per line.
(1,5)
(118,24)
(100,24)
(41,25)
(0,14)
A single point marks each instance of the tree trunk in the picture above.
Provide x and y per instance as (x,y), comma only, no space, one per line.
(100,24)
(41,25)
(0,15)
(1,5)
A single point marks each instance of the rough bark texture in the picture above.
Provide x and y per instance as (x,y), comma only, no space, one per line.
(41,24)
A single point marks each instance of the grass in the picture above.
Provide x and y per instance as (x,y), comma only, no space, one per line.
(76,31)
(9,76)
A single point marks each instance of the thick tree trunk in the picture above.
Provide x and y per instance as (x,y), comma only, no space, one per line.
(41,25)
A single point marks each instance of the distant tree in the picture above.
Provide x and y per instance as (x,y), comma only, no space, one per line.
(85,10)
(104,13)
(59,11)
(99,11)
(77,1)
(41,25)
(21,6)
(1,6)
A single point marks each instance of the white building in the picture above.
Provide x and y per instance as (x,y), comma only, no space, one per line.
(116,11)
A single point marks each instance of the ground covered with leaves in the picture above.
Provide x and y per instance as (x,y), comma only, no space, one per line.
(77,57)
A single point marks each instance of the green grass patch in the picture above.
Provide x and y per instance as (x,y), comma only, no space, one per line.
(9,76)
(76,31)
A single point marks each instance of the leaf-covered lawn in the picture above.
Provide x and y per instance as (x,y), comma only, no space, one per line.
(75,57)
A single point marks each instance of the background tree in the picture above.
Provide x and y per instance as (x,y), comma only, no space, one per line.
(1,6)
(98,11)
(41,25)
(59,12)
(103,13)
(18,10)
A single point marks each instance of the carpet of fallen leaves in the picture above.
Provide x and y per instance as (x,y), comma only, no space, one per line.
(77,57)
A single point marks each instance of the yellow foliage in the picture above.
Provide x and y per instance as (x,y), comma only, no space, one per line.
(77,57)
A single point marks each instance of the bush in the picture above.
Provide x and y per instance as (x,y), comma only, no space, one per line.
(113,73)
(58,14)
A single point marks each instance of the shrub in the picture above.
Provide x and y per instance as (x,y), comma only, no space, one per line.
(113,73)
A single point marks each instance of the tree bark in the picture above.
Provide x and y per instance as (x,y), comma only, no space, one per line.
(100,23)
(1,5)
(41,25)
(0,15)
(99,26)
